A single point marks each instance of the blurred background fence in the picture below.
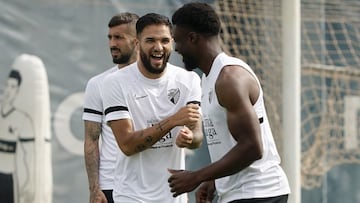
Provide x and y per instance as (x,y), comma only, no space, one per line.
(70,38)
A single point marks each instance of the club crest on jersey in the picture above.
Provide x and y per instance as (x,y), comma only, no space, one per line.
(174,95)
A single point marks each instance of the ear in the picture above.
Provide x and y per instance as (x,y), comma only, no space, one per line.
(135,41)
(193,37)
(136,44)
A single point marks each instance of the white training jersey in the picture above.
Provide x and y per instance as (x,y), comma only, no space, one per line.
(16,128)
(93,111)
(127,94)
(264,177)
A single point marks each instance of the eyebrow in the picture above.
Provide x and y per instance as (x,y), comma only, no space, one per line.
(158,38)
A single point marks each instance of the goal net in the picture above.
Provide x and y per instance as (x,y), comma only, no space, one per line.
(330,74)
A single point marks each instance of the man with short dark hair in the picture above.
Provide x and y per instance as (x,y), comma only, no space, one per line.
(245,163)
(100,163)
(153,109)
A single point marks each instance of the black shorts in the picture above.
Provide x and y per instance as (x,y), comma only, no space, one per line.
(277,199)
(108,195)
(6,188)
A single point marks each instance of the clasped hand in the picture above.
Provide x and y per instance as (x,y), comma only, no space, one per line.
(184,138)
(188,115)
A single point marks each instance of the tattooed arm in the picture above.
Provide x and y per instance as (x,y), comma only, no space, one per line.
(92,159)
(132,142)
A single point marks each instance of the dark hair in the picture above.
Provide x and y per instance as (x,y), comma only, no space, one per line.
(152,19)
(199,17)
(16,75)
(123,18)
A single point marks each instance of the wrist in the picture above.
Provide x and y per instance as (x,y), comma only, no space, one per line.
(165,125)
(94,188)
(199,177)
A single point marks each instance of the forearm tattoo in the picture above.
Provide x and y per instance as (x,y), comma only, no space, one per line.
(148,139)
(92,153)
(142,147)
(94,130)
(160,125)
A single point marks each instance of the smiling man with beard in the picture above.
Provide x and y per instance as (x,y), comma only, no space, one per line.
(153,110)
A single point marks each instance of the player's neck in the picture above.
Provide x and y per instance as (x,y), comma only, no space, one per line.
(132,60)
(6,110)
(120,66)
(148,74)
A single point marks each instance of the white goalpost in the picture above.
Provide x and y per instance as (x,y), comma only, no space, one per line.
(291,112)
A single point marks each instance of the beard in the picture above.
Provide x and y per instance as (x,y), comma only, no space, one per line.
(123,58)
(146,61)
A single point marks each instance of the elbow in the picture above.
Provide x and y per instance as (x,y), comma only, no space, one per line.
(258,152)
(129,150)
(125,147)
(126,151)
(254,151)
(259,156)
(257,147)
